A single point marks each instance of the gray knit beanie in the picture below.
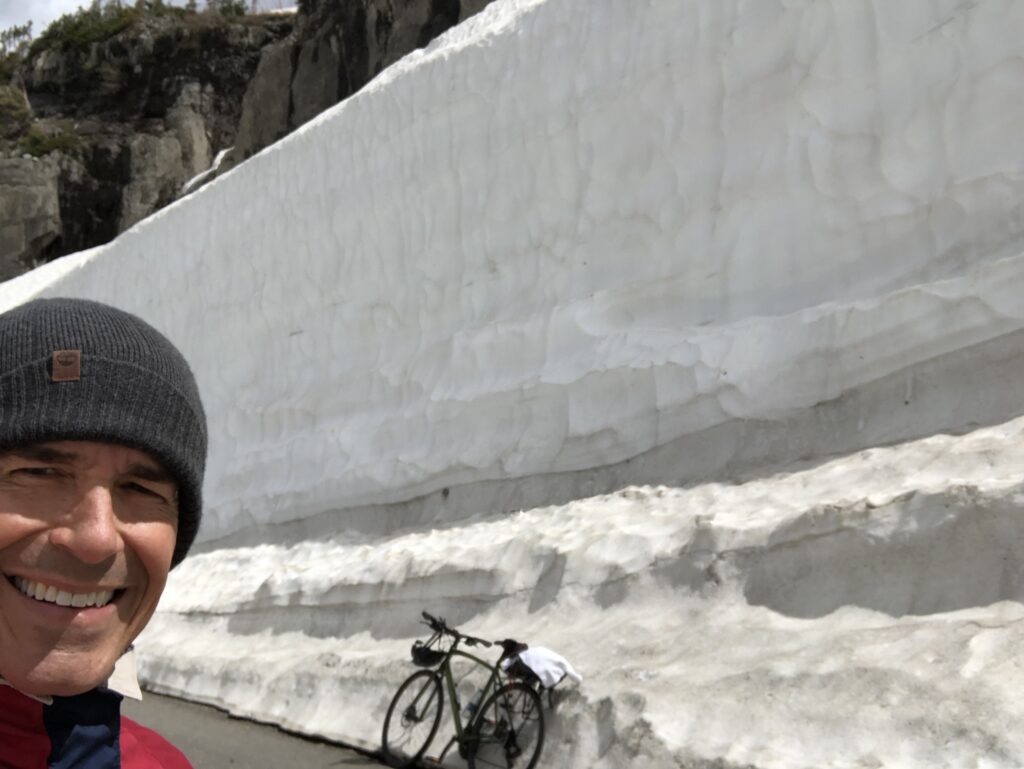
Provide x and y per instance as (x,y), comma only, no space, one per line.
(72,369)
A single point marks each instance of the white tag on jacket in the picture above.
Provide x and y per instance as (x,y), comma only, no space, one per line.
(125,678)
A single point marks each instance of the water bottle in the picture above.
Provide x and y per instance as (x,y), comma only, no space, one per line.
(472,704)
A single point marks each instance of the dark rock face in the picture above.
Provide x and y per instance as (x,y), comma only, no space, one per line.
(30,218)
(267,105)
(140,73)
(337,47)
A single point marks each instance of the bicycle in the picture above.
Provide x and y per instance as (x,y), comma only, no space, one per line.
(506,731)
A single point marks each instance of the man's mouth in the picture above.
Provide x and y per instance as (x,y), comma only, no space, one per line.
(50,594)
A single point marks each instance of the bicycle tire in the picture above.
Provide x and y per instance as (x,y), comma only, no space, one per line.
(419,702)
(509,730)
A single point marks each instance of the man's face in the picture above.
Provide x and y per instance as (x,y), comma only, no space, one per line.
(88,529)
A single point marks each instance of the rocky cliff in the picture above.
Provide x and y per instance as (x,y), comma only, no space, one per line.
(335,49)
(97,135)
(108,130)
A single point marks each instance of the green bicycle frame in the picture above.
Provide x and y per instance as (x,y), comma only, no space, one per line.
(493,683)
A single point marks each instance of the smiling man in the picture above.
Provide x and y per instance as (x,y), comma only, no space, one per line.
(102,451)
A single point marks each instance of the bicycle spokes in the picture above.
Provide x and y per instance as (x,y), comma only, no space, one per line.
(511,733)
(412,719)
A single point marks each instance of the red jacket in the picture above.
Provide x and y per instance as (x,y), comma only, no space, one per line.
(82,732)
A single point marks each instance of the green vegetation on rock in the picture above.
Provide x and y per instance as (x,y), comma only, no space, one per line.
(14,111)
(8,63)
(38,141)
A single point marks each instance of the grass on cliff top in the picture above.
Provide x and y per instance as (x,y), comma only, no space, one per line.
(79,30)
(84,27)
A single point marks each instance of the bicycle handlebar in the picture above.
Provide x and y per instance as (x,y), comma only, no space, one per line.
(438,625)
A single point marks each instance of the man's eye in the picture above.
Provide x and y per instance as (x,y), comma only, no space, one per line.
(138,488)
(40,472)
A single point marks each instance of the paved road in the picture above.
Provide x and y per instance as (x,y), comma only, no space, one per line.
(213,740)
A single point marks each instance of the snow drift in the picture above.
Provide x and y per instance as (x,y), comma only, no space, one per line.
(680,337)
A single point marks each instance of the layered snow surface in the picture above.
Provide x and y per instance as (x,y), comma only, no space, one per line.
(680,336)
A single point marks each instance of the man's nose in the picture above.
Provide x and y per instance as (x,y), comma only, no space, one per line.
(88,530)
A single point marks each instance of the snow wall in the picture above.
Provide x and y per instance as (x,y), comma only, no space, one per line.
(581,325)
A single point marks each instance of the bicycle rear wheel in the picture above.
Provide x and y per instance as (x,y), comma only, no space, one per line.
(509,730)
(412,719)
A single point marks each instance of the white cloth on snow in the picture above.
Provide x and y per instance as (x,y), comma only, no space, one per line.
(550,667)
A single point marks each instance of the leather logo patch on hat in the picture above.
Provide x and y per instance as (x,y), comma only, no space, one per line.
(67,366)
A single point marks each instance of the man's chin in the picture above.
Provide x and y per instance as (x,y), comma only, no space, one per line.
(55,679)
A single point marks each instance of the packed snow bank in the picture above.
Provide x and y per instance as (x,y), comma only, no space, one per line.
(531,332)
(860,611)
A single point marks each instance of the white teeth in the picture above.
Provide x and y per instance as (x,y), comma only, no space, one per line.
(50,594)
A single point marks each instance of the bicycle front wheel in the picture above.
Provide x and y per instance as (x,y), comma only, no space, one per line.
(508,732)
(412,719)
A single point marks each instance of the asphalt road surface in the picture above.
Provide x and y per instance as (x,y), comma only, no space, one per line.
(211,739)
